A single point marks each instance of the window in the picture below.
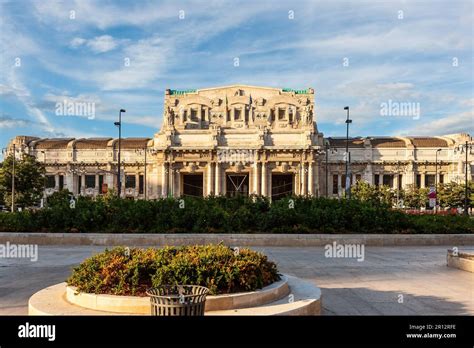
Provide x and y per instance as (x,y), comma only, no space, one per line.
(140,185)
(388,180)
(130,181)
(238,184)
(418,180)
(335,184)
(429,180)
(343,180)
(50,181)
(441,178)
(237,114)
(400,180)
(290,115)
(281,114)
(61,182)
(101,183)
(376,179)
(185,115)
(90,181)
(194,117)
(358,177)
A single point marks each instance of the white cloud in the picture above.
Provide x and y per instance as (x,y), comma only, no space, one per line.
(99,44)
(9,122)
(143,62)
(76,42)
(102,44)
(457,123)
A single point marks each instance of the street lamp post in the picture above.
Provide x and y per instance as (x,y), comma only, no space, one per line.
(436,180)
(465,188)
(44,181)
(348,181)
(398,184)
(465,147)
(13,178)
(119,125)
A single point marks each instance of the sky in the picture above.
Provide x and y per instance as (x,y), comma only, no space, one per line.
(368,55)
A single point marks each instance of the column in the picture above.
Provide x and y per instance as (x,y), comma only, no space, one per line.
(218,179)
(177,183)
(423,180)
(69,181)
(316,179)
(209,178)
(264,179)
(255,178)
(368,174)
(200,117)
(137,184)
(303,179)
(109,177)
(56,182)
(310,178)
(97,188)
(380,179)
(83,183)
(164,180)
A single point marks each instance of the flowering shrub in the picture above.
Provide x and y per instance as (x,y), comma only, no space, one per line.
(123,271)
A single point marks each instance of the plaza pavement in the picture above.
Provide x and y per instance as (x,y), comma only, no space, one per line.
(402,280)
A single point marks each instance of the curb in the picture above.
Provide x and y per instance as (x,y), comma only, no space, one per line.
(300,240)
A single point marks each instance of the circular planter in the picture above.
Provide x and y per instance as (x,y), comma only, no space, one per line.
(461,260)
(141,305)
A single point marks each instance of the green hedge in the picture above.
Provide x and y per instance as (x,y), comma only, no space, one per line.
(123,271)
(227,215)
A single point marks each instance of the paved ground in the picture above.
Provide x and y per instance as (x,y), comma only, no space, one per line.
(416,276)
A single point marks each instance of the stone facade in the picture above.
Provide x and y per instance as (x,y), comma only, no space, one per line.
(242,139)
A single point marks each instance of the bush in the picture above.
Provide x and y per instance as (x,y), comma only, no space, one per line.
(123,271)
(227,215)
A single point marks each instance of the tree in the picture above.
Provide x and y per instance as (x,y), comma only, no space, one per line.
(365,192)
(415,197)
(29,181)
(452,194)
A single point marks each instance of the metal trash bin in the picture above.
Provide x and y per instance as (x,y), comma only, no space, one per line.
(178,300)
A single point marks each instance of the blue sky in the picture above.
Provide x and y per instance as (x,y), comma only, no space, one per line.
(405,51)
